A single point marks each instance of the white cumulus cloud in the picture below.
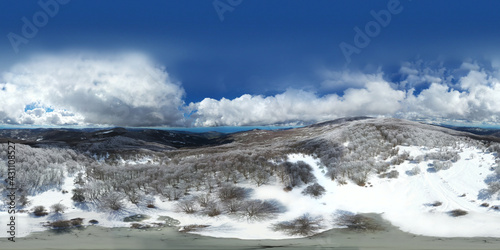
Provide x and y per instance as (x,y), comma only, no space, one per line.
(475,98)
(296,106)
(129,89)
(126,89)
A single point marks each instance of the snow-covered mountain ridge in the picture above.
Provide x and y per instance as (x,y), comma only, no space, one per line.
(423,179)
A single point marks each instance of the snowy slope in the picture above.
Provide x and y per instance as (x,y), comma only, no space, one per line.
(404,201)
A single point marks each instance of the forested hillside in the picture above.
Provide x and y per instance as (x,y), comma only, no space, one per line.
(116,169)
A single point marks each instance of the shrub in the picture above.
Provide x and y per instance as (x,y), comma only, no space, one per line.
(260,177)
(149,201)
(440,165)
(260,208)
(66,224)
(393,174)
(359,179)
(228,192)
(58,208)
(315,190)
(304,225)
(113,200)
(358,222)
(60,224)
(204,200)
(341,181)
(133,196)
(213,209)
(458,212)
(187,206)
(233,206)
(415,170)
(76,222)
(78,195)
(436,204)
(23,200)
(39,211)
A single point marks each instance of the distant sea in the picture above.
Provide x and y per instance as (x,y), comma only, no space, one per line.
(223,129)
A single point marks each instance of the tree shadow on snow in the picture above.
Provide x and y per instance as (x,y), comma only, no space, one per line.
(55,216)
(83,206)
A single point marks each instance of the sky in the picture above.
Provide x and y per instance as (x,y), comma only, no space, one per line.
(179,63)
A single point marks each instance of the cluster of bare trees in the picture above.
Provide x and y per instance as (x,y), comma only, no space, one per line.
(443,155)
(295,174)
(368,148)
(176,176)
(113,179)
(315,190)
(494,179)
(39,169)
(230,199)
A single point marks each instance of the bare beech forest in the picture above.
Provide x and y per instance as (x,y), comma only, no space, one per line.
(206,180)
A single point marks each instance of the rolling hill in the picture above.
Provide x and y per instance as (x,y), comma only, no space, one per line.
(424,179)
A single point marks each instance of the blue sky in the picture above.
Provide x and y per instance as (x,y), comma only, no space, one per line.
(272,54)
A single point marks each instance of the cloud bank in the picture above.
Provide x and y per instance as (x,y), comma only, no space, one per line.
(297,106)
(123,90)
(468,94)
(129,89)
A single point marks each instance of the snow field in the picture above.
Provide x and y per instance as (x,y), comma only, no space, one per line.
(404,201)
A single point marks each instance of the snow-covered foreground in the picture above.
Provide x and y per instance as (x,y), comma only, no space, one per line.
(404,201)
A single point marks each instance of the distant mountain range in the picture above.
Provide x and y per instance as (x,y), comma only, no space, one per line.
(116,139)
(476,130)
(113,139)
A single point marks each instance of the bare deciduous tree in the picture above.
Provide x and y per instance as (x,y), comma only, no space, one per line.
(304,225)
(213,209)
(233,206)
(228,192)
(260,177)
(204,199)
(113,200)
(315,190)
(260,208)
(187,206)
(58,208)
